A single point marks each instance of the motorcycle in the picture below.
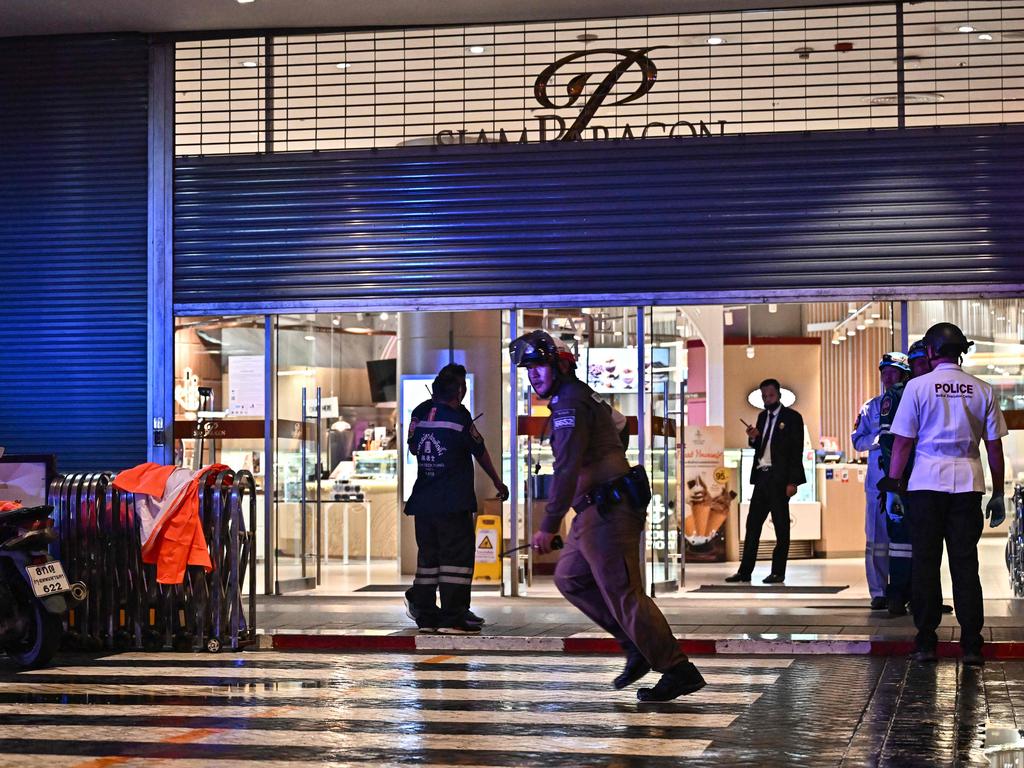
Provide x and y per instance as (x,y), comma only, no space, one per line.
(34,590)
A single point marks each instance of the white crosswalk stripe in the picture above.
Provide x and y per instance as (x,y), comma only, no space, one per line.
(355,709)
(338,676)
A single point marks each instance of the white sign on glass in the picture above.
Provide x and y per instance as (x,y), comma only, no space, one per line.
(246,386)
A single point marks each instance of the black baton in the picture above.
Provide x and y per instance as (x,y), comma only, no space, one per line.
(556,543)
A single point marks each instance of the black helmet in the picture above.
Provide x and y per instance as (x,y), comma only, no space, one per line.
(533,347)
(946,339)
(540,347)
(917,349)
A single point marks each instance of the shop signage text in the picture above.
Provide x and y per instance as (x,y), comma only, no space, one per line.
(555,128)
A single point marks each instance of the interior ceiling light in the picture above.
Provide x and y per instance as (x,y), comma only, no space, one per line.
(851,331)
(309,338)
(476,49)
(965,28)
(985,36)
(728,317)
(773,308)
(714,40)
(343,65)
(249,63)
(245,2)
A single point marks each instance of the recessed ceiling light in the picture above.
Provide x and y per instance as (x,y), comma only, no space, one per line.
(476,49)
(985,36)
(343,65)
(716,40)
(965,28)
(249,63)
(309,338)
(245,2)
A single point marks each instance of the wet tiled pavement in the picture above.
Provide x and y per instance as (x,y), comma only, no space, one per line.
(274,709)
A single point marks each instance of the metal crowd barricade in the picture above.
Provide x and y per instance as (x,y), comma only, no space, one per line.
(98,541)
(1015,544)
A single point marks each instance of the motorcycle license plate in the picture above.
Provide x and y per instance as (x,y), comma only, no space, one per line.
(48,578)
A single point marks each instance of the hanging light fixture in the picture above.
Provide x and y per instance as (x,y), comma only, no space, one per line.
(750,346)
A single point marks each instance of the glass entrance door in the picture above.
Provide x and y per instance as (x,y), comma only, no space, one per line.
(298,456)
(664,376)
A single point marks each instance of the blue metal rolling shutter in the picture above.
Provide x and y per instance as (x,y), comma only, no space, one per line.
(73,164)
(648,218)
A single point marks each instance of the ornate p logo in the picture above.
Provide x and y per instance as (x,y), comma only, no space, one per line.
(627,58)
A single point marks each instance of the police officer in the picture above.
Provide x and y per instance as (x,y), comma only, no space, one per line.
(947,412)
(599,569)
(443,503)
(893,505)
(893,369)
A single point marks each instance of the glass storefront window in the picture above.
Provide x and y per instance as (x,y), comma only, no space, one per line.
(219,380)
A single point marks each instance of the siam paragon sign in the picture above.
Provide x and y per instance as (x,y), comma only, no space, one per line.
(555,128)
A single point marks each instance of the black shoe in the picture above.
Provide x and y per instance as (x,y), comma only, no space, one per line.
(973,659)
(737,578)
(636,667)
(896,607)
(471,618)
(461,627)
(925,656)
(680,680)
(773,578)
(947,608)
(879,603)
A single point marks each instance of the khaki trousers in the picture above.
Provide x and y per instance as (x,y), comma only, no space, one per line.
(599,573)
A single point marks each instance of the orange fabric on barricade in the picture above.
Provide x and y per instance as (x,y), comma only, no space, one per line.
(176,539)
(149,478)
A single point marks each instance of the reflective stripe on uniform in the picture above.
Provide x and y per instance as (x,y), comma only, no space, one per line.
(425,580)
(445,579)
(900,550)
(441,425)
(422,571)
(455,569)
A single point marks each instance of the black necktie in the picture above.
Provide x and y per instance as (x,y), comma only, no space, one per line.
(767,432)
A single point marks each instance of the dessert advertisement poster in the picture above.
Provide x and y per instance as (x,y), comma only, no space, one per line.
(707,496)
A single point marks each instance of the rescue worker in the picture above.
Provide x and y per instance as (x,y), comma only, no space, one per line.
(899,592)
(892,369)
(599,569)
(947,412)
(892,505)
(443,503)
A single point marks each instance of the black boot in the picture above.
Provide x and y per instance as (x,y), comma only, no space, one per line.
(680,680)
(636,667)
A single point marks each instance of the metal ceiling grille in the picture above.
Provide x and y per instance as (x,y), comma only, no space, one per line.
(772,71)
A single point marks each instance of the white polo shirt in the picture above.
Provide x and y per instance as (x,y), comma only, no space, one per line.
(948,412)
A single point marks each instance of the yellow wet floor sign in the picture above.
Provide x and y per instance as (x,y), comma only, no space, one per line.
(488,540)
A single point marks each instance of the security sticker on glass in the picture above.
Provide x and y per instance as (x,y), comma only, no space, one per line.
(563,419)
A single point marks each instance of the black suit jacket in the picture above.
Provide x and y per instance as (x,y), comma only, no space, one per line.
(787,445)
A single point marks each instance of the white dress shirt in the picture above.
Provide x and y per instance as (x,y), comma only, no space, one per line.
(948,412)
(766,458)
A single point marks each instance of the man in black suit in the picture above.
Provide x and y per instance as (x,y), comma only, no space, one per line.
(778,443)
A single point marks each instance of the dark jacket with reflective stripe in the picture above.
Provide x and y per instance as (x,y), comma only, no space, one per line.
(587,447)
(444,441)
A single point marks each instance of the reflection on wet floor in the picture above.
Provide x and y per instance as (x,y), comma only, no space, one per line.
(274,709)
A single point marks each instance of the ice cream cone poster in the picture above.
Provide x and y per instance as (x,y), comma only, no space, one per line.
(707,496)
